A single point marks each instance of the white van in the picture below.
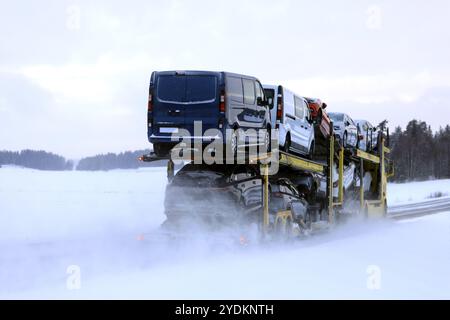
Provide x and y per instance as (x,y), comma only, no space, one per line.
(291,116)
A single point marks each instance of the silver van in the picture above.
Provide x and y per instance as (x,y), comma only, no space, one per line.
(290,114)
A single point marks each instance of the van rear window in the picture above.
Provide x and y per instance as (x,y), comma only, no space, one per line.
(186,88)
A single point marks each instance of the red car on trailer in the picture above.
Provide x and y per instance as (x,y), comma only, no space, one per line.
(319,116)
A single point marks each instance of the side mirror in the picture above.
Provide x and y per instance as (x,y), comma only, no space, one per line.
(324,105)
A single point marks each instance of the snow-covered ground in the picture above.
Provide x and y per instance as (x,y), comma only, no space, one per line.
(81,231)
(400,193)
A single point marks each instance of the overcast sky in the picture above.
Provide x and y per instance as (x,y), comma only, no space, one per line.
(74,74)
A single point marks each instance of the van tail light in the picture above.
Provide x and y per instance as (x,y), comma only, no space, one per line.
(279,107)
(150,100)
(222,101)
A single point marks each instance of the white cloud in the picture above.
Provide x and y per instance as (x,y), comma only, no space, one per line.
(368,89)
(71,82)
(90,83)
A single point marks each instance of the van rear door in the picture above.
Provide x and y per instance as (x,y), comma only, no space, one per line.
(202,101)
(182,98)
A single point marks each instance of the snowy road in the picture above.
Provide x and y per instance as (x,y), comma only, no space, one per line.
(420,208)
(52,221)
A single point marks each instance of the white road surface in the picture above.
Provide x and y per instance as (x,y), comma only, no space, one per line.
(74,235)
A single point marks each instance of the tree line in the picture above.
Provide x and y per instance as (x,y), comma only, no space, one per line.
(420,154)
(33,159)
(43,160)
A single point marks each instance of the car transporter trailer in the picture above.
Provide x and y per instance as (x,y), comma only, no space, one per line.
(376,164)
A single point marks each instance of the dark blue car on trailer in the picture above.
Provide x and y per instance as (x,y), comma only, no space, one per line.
(219,100)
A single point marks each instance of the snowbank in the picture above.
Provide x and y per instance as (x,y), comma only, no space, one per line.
(399,193)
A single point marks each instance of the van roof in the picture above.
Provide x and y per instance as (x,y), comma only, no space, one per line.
(199,72)
(272,86)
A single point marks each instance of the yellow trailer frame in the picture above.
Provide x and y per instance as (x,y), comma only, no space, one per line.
(302,164)
(374,208)
(295,163)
